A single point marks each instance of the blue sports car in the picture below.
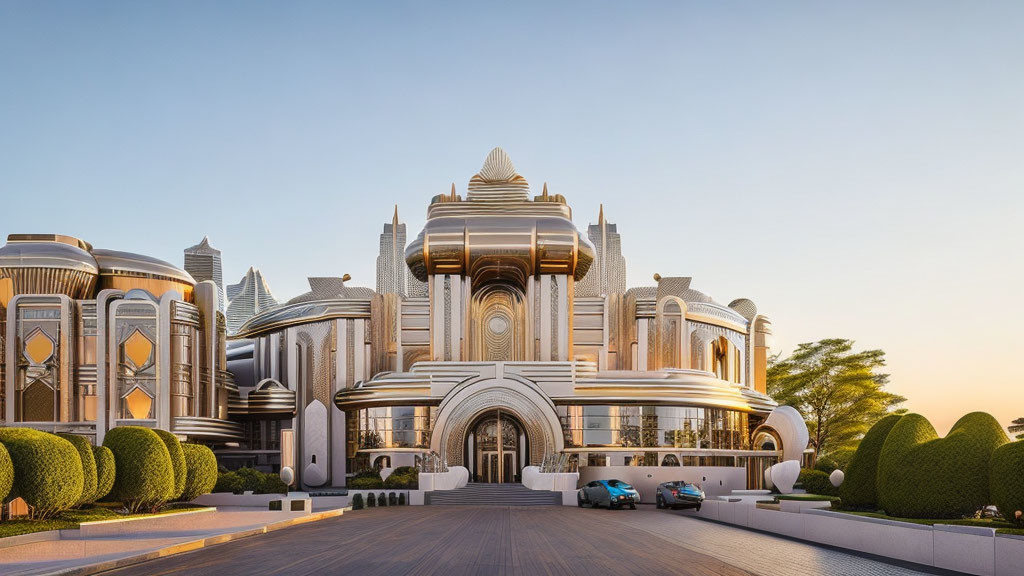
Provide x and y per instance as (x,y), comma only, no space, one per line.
(610,493)
(679,494)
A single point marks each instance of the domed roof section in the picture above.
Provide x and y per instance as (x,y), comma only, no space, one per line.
(498,181)
(117,263)
(46,264)
(47,251)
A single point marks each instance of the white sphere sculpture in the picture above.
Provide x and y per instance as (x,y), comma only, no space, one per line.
(836,477)
(287,475)
(785,475)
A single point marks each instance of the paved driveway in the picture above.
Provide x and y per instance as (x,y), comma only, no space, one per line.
(548,540)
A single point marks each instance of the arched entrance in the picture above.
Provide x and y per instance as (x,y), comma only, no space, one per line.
(496,448)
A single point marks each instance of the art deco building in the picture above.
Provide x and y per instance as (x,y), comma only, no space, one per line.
(202,261)
(94,339)
(525,346)
(248,298)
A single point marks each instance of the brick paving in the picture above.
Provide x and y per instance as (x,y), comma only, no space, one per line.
(508,540)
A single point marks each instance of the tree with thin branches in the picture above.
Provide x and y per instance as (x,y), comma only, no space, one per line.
(840,392)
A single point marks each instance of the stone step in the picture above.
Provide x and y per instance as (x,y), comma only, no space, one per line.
(479,494)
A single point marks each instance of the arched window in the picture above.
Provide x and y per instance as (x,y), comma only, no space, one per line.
(382,462)
(670,460)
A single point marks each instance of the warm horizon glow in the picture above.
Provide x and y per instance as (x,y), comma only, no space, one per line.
(854,169)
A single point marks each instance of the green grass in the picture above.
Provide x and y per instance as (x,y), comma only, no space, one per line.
(809,498)
(1002,526)
(70,519)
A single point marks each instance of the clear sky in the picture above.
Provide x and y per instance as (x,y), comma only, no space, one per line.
(854,168)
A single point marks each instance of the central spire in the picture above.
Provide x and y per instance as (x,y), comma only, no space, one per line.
(498,180)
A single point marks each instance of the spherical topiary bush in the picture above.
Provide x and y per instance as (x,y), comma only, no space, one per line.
(84,449)
(382,500)
(1006,480)
(47,470)
(392,499)
(201,466)
(6,473)
(401,499)
(817,482)
(861,475)
(371,500)
(357,502)
(145,474)
(922,476)
(177,460)
(229,482)
(105,471)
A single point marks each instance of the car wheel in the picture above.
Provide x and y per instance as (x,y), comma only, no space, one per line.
(579,501)
(659,502)
(698,508)
(632,506)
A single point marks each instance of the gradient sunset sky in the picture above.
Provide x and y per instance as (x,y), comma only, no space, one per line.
(856,169)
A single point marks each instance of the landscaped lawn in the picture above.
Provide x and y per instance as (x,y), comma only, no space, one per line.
(1002,526)
(70,519)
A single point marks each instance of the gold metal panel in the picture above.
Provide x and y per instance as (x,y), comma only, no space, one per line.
(38,347)
(139,404)
(138,349)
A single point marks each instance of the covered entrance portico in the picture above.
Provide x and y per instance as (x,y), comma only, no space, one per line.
(496,448)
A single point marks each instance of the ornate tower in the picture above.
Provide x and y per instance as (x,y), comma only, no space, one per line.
(608,273)
(500,268)
(202,261)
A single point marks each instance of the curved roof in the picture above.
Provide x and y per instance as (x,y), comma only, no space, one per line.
(114,262)
(35,251)
(302,313)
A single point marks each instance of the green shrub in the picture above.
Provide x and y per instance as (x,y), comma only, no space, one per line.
(817,482)
(201,471)
(365,483)
(177,460)
(47,470)
(858,489)
(382,500)
(145,473)
(250,480)
(371,500)
(6,473)
(105,470)
(1006,479)
(228,482)
(405,477)
(923,476)
(392,499)
(84,449)
(401,499)
(357,502)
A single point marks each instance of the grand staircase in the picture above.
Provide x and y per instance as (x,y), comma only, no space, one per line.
(480,494)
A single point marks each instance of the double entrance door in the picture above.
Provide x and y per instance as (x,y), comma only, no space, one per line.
(494,447)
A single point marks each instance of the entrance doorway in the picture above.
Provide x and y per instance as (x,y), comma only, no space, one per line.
(496,447)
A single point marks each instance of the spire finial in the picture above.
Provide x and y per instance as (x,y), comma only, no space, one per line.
(600,216)
(454,196)
(394,219)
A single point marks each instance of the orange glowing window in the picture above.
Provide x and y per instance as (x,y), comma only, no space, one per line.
(38,347)
(138,404)
(138,349)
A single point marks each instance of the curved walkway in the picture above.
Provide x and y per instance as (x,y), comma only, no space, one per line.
(492,540)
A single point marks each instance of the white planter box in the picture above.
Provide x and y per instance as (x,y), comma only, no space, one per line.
(966,548)
(1009,551)
(900,540)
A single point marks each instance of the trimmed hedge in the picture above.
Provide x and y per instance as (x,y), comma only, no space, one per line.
(6,473)
(403,477)
(382,500)
(105,470)
(357,502)
(177,460)
(250,479)
(401,499)
(365,480)
(1006,481)
(923,476)
(371,500)
(817,482)
(201,471)
(393,499)
(48,470)
(145,473)
(84,449)
(859,487)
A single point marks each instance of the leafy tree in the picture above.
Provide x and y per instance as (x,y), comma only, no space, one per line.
(1017,427)
(839,391)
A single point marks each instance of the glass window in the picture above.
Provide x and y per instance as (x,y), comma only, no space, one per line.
(653,427)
